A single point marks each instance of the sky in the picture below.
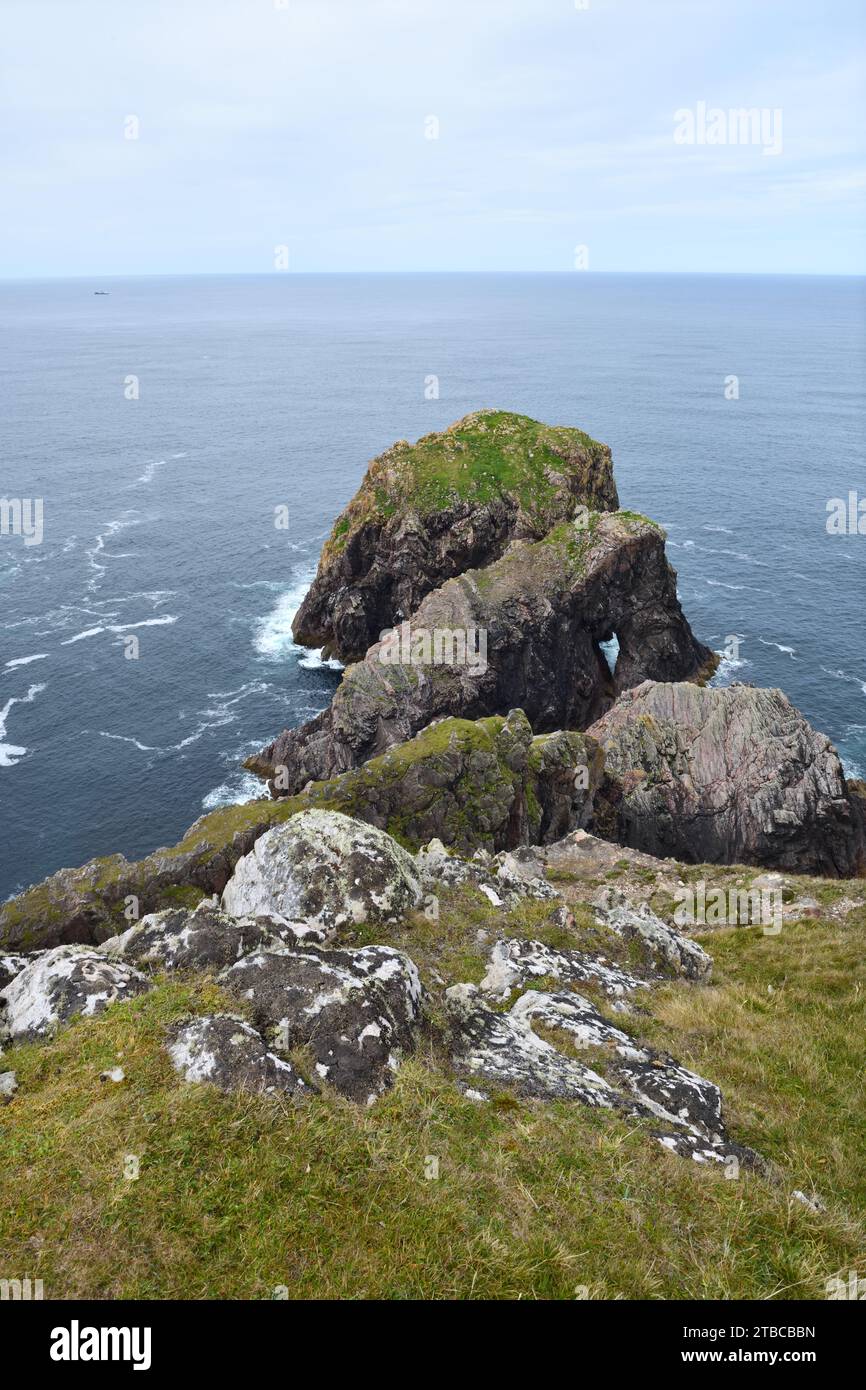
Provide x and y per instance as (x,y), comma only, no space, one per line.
(182,136)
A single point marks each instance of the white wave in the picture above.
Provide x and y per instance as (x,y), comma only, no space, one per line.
(26,660)
(789,651)
(245,786)
(155,597)
(314,661)
(726,529)
(275,585)
(719,584)
(216,716)
(165,621)
(179,456)
(844,676)
(273,636)
(727,669)
(123,738)
(80,636)
(10,753)
(736,554)
(231,697)
(120,523)
(149,473)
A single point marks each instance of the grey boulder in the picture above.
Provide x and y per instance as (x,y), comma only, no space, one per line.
(177,939)
(618,1074)
(662,947)
(327,870)
(515,963)
(357,1011)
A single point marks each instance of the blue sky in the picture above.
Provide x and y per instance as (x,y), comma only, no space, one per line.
(304,124)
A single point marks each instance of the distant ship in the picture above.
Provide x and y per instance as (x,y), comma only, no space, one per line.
(101,291)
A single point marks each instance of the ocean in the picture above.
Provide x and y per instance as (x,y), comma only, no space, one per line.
(169,423)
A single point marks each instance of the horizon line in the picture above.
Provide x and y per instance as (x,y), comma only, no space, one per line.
(301,274)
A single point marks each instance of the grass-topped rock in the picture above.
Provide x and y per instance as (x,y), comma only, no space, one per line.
(452,501)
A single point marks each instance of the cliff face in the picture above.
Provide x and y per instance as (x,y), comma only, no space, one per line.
(727,776)
(451,502)
(543,608)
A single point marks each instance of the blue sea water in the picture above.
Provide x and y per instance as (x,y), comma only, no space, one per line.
(261,392)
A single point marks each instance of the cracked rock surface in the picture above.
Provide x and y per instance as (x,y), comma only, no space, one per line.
(724,776)
(618,1073)
(663,946)
(505,879)
(514,963)
(12,965)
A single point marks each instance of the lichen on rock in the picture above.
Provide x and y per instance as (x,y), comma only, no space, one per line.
(225,1051)
(357,1011)
(60,983)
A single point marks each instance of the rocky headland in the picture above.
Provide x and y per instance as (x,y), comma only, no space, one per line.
(478,853)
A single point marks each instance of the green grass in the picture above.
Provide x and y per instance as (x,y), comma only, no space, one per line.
(486,454)
(237,1196)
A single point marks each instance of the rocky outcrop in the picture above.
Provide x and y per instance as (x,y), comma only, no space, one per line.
(59,984)
(96,901)
(8,1086)
(475,784)
(544,608)
(326,870)
(659,945)
(617,1074)
(486,784)
(514,964)
(356,1011)
(227,1052)
(504,879)
(726,776)
(428,511)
